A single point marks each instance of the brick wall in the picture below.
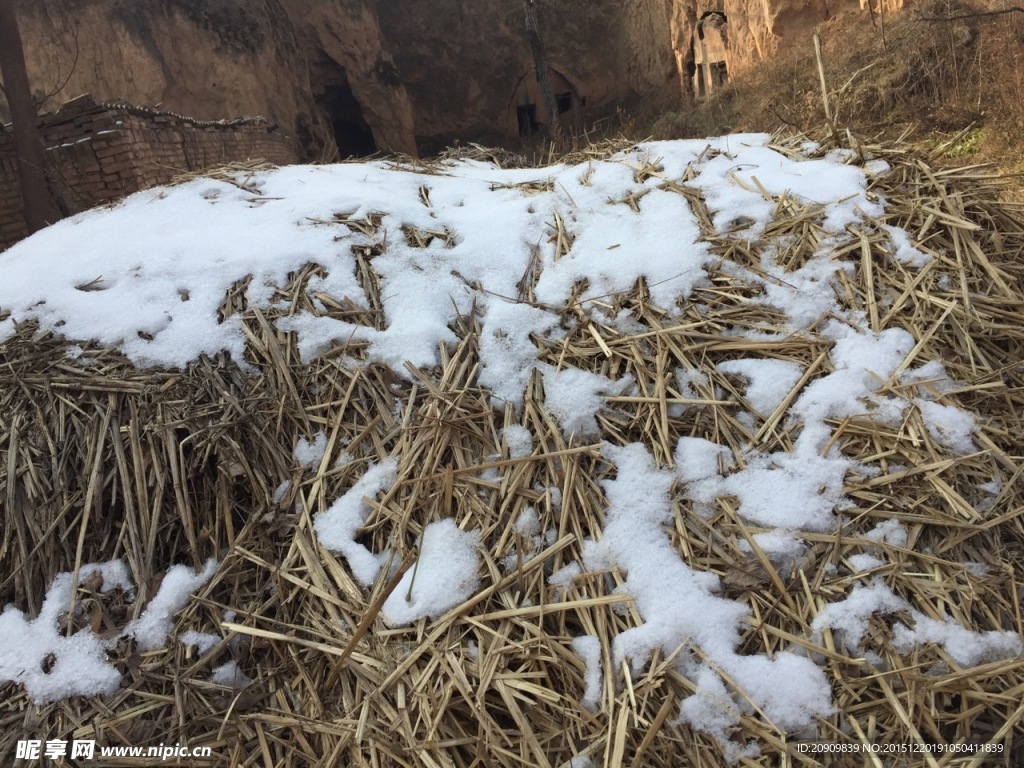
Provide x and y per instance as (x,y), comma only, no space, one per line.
(101,152)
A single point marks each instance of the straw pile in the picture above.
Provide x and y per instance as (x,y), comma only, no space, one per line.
(105,461)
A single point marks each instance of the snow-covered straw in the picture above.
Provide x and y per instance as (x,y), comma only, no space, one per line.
(677,413)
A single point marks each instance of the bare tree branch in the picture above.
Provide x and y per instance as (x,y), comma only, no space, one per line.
(71,72)
(977,15)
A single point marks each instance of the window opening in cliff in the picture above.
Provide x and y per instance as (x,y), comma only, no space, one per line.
(526,114)
(564,102)
(351,132)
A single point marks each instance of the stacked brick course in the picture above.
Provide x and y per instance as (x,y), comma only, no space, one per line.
(100,152)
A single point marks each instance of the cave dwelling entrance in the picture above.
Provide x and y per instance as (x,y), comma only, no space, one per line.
(526,114)
(352,133)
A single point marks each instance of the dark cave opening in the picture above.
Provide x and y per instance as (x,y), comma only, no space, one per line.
(351,132)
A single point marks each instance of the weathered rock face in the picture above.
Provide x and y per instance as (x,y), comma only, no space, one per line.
(218,58)
(352,75)
(714,40)
(468,67)
(365,74)
(469,71)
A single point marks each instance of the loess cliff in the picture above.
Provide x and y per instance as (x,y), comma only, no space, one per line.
(347,77)
(319,69)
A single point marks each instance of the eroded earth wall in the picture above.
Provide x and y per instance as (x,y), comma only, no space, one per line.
(348,77)
(469,69)
(213,59)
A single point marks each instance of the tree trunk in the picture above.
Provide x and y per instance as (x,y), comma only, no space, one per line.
(540,63)
(40,209)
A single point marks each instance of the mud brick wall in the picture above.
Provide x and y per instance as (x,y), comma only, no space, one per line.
(97,153)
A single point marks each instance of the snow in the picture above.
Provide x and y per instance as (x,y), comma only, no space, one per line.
(51,665)
(509,356)
(769,380)
(563,577)
(230,675)
(730,182)
(336,527)
(931,376)
(850,616)
(528,524)
(903,250)
(128,277)
(681,611)
(890,532)
(948,425)
(574,397)
(180,581)
(780,546)
(309,453)
(799,490)
(862,362)
(589,649)
(154,291)
(445,574)
(865,562)
(850,619)
(201,641)
(519,441)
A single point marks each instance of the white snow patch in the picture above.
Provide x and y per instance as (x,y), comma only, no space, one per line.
(201,641)
(679,609)
(850,617)
(589,649)
(52,666)
(518,439)
(229,674)
(903,250)
(445,575)
(574,396)
(946,424)
(770,380)
(180,581)
(337,526)
(864,562)
(891,532)
(309,453)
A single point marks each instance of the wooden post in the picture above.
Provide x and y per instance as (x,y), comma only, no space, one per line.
(40,209)
(540,63)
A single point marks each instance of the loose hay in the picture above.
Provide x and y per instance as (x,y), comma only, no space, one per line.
(105,461)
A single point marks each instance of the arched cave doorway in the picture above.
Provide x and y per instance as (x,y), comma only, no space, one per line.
(337,102)
(709,54)
(526,114)
(351,132)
